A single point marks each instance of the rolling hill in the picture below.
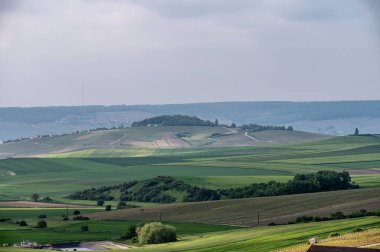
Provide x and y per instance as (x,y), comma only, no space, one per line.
(336,118)
(155,137)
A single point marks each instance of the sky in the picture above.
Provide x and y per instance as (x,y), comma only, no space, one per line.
(76,52)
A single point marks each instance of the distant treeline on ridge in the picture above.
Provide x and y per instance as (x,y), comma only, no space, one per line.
(165,189)
(183,120)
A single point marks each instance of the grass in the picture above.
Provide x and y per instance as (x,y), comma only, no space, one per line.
(368,238)
(210,167)
(265,238)
(194,237)
(59,231)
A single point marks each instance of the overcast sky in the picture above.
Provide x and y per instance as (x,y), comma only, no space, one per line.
(182,51)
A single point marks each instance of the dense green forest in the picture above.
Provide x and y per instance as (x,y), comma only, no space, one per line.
(173,120)
(165,189)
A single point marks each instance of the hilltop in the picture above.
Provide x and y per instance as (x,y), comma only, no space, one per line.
(336,117)
(123,141)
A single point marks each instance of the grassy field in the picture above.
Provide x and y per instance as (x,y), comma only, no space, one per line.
(210,167)
(61,231)
(195,237)
(368,238)
(202,225)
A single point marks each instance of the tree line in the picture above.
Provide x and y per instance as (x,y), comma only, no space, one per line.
(161,188)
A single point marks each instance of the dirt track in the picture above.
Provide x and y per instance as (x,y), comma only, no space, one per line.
(370,171)
(39,204)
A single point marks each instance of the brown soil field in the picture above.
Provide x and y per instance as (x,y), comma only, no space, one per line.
(39,204)
(243,212)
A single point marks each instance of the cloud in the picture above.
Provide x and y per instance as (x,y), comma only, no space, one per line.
(163,51)
(374,8)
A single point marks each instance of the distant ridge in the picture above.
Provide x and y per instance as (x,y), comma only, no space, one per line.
(333,117)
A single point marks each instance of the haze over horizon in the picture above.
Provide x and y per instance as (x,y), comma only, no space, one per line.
(170,52)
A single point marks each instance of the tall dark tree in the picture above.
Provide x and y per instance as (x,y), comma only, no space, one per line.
(216,123)
(35,196)
(356,132)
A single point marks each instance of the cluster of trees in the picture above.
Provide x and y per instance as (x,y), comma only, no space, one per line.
(174,120)
(154,190)
(151,233)
(302,183)
(100,194)
(160,189)
(256,127)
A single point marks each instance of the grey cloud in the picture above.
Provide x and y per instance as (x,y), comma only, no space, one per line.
(7,5)
(374,7)
(174,51)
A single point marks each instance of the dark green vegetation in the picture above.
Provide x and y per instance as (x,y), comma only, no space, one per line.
(335,216)
(173,120)
(166,189)
(257,128)
(156,233)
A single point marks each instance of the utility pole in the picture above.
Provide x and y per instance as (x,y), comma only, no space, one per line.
(258,218)
(160,215)
(82,94)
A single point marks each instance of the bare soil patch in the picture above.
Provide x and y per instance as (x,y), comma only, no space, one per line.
(369,171)
(39,204)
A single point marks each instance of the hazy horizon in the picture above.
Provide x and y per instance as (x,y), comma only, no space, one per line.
(174,52)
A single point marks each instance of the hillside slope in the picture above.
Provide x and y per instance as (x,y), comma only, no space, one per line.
(149,138)
(320,117)
(243,212)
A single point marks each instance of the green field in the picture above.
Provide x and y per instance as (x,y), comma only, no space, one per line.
(202,226)
(210,167)
(210,238)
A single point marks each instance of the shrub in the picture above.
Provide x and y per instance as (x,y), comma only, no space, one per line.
(42,216)
(76,212)
(35,197)
(65,218)
(272,224)
(337,216)
(42,224)
(47,199)
(84,228)
(121,205)
(156,232)
(108,208)
(304,219)
(22,223)
(100,202)
(79,217)
(334,234)
(131,232)
(357,230)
